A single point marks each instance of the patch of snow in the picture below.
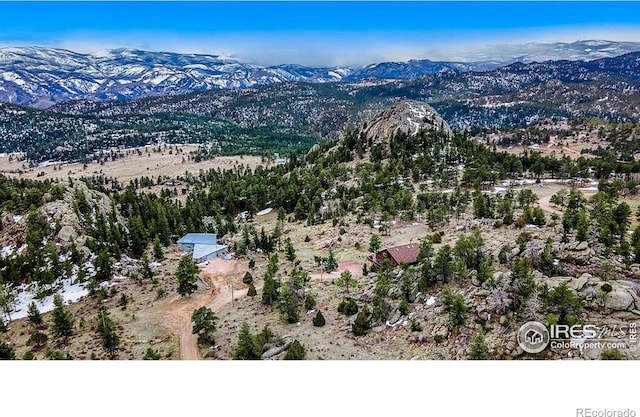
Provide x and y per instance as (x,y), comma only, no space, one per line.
(431,301)
(70,293)
(6,251)
(265,211)
(17,219)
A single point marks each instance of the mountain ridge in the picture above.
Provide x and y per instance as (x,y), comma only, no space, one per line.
(41,77)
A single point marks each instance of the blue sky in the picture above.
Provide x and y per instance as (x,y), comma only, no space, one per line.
(313,33)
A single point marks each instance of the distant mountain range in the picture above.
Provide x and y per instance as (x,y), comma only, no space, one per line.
(294,115)
(513,95)
(40,77)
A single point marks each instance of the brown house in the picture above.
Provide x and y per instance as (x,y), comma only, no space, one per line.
(405,254)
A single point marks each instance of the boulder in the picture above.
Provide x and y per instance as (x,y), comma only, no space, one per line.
(442,331)
(395,316)
(581,247)
(66,233)
(277,349)
(580,282)
(618,299)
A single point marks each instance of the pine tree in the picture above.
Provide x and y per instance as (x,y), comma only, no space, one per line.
(309,302)
(204,324)
(443,263)
(331,264)
(251,291)
(62,325)
(582,226)
(287,304)
(269,289)
(346,280)
(374,243)
(35,318)
(7,300)
(289,249)
(6,351)
(106,328)
(361,325)
(479,349)
(458,312)
(186,274)
(104,266)
(158,253)
(247,348)
(546,262)
(521,278)
(318,319)
(454,305)
(296,351)
(145,268)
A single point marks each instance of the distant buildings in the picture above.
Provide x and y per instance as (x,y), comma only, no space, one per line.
(203,246)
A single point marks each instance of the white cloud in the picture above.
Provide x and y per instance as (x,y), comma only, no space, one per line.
(332,48)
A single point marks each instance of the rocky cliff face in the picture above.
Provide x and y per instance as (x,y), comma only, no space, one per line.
(408,116)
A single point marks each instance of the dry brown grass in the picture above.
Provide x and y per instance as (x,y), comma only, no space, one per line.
(132,166)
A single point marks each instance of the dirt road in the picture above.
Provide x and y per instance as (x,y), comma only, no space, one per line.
(178,310)
(545,204)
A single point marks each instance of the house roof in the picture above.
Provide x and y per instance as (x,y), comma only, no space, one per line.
(199,238)
(203,250)
(404,254)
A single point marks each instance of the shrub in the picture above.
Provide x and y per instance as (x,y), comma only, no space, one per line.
(251,292)
(151,355)
(438,338)
(479,350)
(404,308)
(606,288)
(28,356)
(318,320)
(160,293)
(296,351)
(309,302)
(361,325)
(6,351)
(502,255)
(348,307)
(415,326)
(611,354)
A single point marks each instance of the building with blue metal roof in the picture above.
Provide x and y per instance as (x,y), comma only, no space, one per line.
(203,246)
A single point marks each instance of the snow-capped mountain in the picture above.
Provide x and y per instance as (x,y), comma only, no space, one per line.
(584,50)
(40,77)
